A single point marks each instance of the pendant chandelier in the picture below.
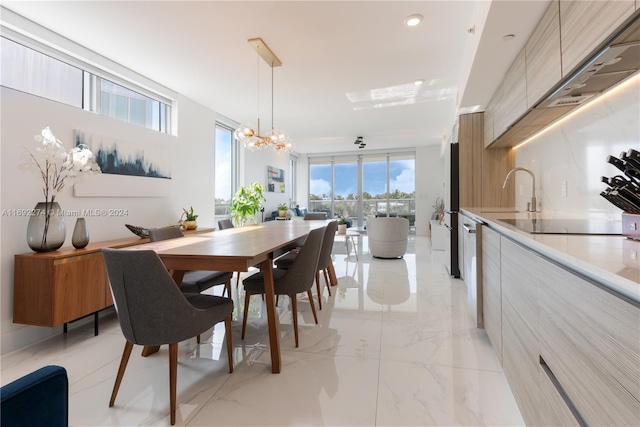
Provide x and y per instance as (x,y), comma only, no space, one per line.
(251,137)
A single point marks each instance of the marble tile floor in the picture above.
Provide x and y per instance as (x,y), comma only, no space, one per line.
(395,346)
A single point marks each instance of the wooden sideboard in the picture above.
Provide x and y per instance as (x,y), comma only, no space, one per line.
(54,288)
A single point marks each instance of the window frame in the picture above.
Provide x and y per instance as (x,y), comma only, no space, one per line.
(168,106)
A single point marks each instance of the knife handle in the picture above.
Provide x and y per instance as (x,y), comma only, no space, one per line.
(630,161)
(616,162)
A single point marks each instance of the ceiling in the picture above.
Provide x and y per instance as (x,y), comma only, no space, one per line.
(348,66)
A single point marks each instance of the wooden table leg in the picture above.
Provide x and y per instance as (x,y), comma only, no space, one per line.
(272,316)
(177,276)
(333,279)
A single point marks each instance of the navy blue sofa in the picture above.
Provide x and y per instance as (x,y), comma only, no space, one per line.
(40,398)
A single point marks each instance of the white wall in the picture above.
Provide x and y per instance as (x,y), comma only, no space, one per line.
(24,115)
(254,169)
(575,150)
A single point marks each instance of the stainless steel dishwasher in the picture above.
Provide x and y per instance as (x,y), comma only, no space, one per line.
(471,230)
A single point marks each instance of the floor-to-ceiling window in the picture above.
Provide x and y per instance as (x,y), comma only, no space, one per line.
(226,169)
(363,186)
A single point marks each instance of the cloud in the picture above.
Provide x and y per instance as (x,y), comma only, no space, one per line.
(319,187)
(405,181)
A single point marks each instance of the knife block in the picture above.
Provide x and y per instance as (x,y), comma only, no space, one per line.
(631,225)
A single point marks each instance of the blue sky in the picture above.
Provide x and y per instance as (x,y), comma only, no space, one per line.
(401,177)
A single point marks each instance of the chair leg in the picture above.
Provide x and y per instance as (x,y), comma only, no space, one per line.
(173,379)
(326,280)
(313,307)
(123,366)
(247,295)
(198,339)
(318,290)
(227,332)
(294,313)
(237,280)
(227,288)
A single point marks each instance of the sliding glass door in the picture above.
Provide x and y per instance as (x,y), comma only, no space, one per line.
(363,186)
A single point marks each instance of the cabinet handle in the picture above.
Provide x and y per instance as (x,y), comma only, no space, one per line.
(563,394)
(468,228)
(448,227)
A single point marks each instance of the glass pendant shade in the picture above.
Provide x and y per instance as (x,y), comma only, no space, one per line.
(243,132)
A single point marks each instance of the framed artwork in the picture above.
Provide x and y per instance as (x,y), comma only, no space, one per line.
(129,169)
(275,180)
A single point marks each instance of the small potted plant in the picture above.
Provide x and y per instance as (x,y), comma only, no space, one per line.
(342,226)
(190,219)
(439,210)
(282,210)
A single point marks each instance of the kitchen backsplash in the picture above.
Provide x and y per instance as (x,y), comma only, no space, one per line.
(569,158)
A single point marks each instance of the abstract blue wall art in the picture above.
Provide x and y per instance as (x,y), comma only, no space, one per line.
(129,169)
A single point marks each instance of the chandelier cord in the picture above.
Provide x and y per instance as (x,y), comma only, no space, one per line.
(272,97)
(258,70)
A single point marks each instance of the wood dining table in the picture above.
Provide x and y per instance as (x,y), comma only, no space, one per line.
(235,249)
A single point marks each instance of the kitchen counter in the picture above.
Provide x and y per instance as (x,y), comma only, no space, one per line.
(613,261)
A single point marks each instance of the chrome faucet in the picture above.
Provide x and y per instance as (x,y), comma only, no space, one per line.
(531,206)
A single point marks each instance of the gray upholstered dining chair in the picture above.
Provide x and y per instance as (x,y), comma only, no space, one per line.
(297,279)
(152,311)
(193,281)
(223,224)
(324,260)
(314,216)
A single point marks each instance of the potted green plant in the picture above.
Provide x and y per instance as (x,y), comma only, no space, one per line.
(246,203)
(189,219)
(439,210)
(342,226)
(282,209)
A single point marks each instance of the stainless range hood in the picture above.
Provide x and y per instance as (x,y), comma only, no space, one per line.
(618,60)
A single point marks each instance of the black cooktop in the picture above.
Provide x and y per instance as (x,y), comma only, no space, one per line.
(566,226)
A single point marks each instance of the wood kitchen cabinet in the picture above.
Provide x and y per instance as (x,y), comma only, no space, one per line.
(492,288)
(511,96)
(585,25)
(570,346)
(590,340)
(543,56)
(520,347)
(553,410)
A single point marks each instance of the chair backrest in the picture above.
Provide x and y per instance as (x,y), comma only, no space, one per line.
(40,398)
(388,237)
(164,233)
(223,224)
(388,229)
(299,277)
(315,215)
(327,245)
(150,307)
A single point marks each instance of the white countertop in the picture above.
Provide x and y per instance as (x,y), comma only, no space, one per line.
(613,261)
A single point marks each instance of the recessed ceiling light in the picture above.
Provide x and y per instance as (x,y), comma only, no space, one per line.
(508,37)
(418,82)
(413,20)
